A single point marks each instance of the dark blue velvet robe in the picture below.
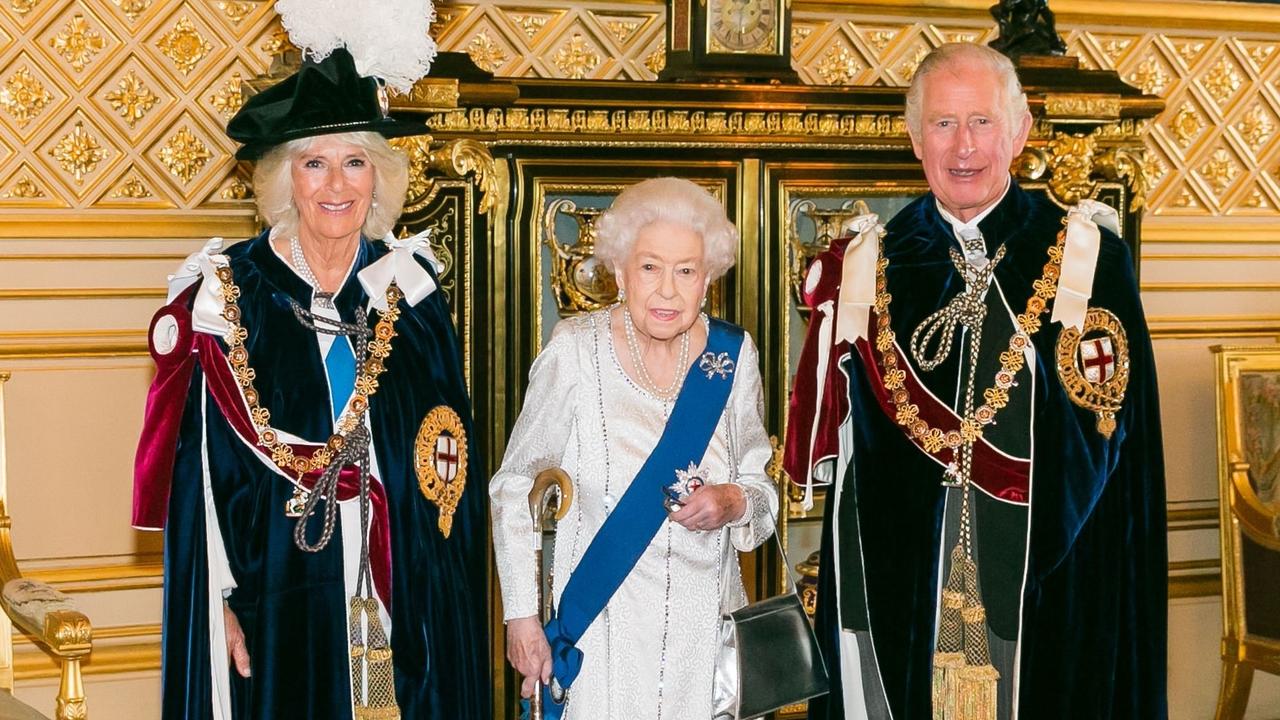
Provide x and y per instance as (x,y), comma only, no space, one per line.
(291,604)
(1095,602)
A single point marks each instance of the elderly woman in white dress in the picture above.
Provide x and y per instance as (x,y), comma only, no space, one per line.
(656,413)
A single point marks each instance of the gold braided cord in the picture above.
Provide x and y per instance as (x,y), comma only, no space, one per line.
(366,381)
(907,413)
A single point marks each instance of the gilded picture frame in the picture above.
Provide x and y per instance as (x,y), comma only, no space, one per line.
(1248,415)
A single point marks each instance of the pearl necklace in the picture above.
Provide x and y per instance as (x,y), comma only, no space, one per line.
(323,299)
(637,361)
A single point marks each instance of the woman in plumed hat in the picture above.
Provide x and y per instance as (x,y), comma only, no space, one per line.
(307,445)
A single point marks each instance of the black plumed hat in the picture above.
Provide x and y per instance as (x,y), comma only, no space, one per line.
(322,98)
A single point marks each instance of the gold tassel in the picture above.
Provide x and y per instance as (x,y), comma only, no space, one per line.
(978,681)
(965,684)
(356,637)
(976,692)
(975,636)
(951,625)
(948,657)
(945,679)
(379,698)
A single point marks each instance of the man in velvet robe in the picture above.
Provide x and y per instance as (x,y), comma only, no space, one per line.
(1068,521)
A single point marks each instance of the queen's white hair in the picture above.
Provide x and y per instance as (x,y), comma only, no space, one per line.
(668,199)
(944,56)
(273,183)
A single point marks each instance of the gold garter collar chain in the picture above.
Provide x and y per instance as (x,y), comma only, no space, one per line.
(1011,360)
(965,683)
(366,381)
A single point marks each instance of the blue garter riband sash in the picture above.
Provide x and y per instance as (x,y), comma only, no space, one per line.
(632,525)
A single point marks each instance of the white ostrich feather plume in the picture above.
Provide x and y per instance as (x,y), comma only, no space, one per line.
(387,38)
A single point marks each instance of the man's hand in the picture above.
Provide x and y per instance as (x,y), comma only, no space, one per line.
(711,507)
(529,653)
(237,650)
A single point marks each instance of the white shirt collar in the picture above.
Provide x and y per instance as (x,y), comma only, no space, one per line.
(957,224)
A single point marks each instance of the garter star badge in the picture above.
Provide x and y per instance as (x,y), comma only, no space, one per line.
(440,459)
(686,482)
(1093,366)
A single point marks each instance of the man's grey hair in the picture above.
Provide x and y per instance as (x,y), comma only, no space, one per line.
(273,183)
(950,53)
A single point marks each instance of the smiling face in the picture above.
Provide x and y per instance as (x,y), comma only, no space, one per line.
(332,189)
(966,140)
(665,278)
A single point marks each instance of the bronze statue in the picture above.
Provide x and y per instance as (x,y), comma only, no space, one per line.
(1026,28)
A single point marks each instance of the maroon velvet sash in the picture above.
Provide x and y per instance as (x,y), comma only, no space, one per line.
(998,474)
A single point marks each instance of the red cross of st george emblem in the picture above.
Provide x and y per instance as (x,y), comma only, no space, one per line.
(1098,360)
(1095,371)
(446,456)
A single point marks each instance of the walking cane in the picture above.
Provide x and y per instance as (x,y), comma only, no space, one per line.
(549,501)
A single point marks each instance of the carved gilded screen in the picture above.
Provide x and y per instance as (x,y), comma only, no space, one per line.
(448,211)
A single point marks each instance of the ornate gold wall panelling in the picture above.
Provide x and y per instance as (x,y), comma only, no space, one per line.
(1211,231)
(1212,153)
(128,224)
(1210,286)
(142,571)
(1215,326)
(1193,515)
(1195,257)
(1196,585)
(73,344)
(120,105)
(82,293)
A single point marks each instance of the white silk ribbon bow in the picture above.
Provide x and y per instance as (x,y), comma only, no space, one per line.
(1080,260)
(206,312)
(858,277)
(400,267)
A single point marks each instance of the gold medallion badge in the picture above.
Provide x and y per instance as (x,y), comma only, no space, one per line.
(1093,366)
(440,458)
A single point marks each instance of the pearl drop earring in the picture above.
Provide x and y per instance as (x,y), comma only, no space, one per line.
(375,199)
(622,295)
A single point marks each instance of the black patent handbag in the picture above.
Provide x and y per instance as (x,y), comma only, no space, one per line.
(768,656)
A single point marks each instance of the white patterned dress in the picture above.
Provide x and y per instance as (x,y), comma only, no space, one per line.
(651,653)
